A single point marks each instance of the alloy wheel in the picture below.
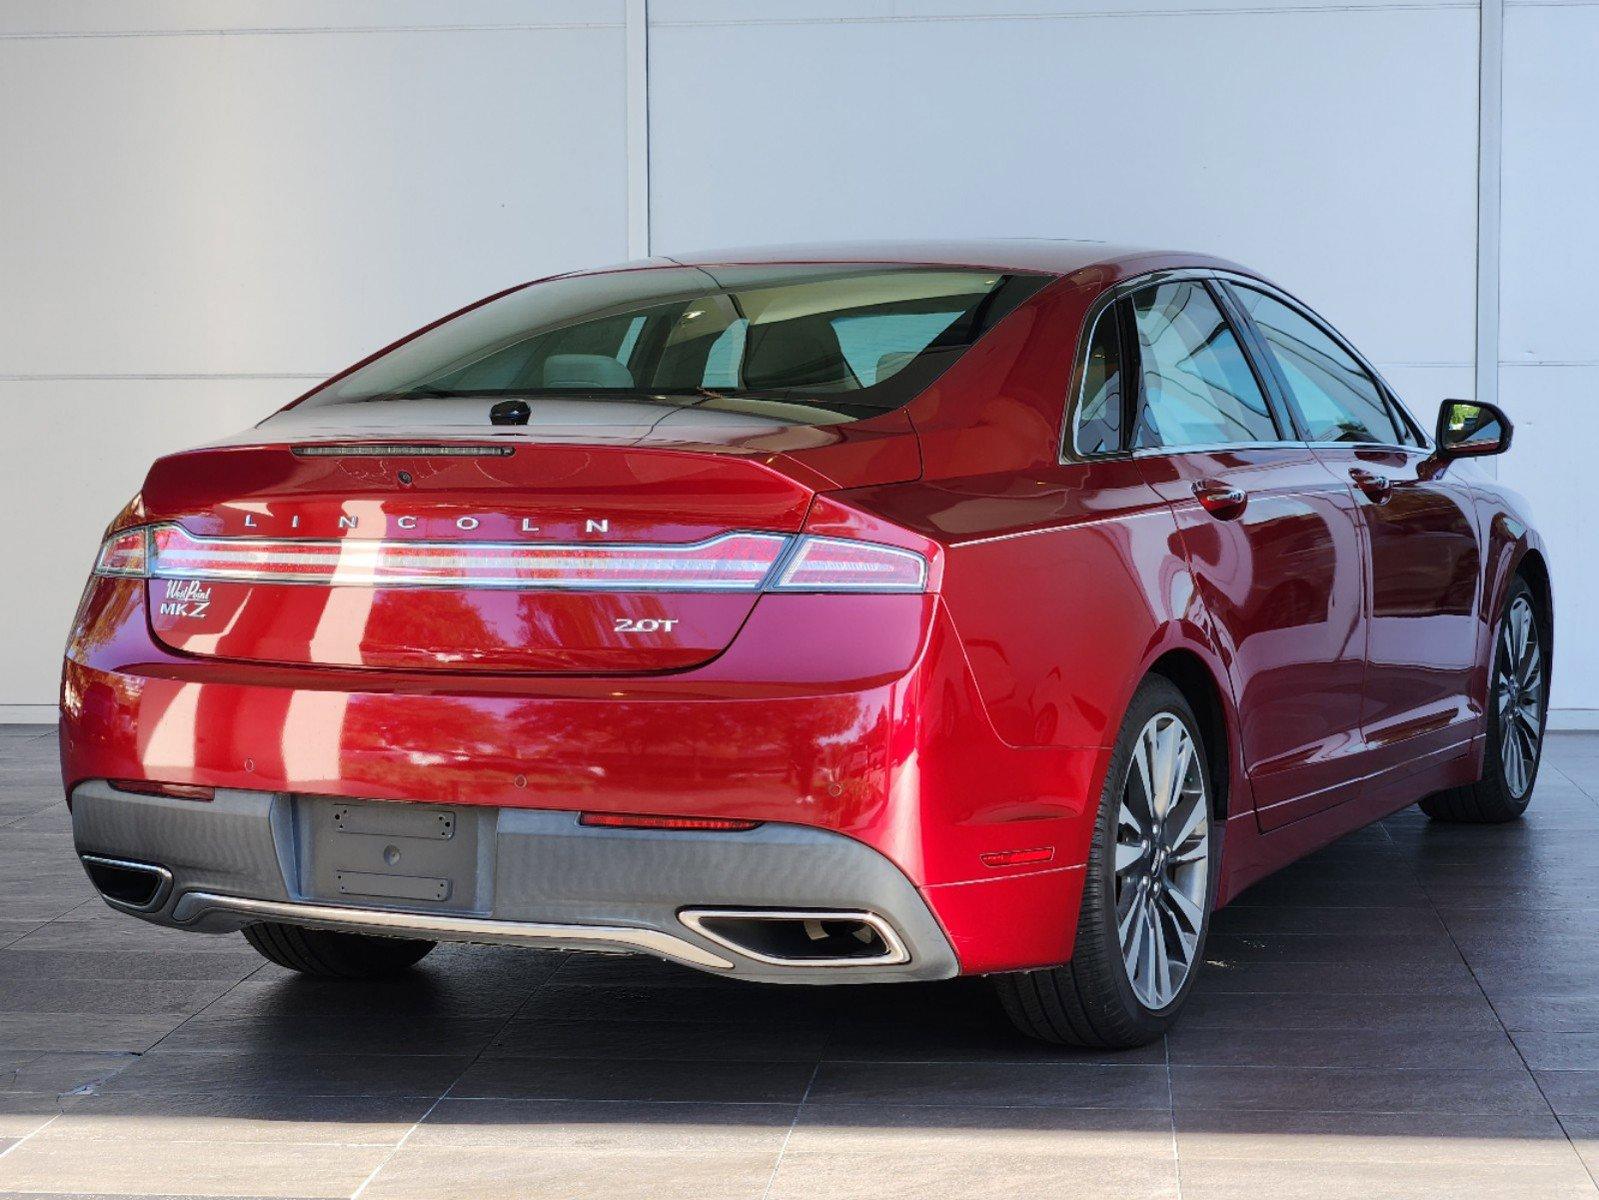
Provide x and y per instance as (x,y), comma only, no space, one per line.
(1162,860)
(1518,692)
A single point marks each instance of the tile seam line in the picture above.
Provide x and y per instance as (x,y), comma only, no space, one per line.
(1505,1029)
(29,1136)
(1171,1117)
(445,1093)
(777,1163)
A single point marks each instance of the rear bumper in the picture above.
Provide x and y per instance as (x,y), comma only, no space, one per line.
(818,723)
(516,876)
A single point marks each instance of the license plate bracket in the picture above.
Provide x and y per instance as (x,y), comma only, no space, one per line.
(389,854)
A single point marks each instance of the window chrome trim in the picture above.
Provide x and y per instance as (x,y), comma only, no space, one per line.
(1424,441)
(1069,451)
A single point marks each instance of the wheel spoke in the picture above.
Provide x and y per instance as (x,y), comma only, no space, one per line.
(1128,856)
(1182,906)
(1139,799)
(1511,753)
(1132,930)
(1156,955)
(1179,831)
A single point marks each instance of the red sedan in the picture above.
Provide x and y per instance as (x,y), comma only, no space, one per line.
(812,615)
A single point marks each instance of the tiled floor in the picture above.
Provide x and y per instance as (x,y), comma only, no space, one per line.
(1412,1012)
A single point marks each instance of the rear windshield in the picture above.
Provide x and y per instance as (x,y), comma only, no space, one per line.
(822,343)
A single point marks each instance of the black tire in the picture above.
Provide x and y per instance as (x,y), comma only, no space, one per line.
(1091,1001)
(333,955)
(1494,799)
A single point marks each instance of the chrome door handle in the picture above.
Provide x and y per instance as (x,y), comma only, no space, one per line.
(1377,487)
(1223,501)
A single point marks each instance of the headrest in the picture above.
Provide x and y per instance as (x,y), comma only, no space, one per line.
(892,363)
(585,371)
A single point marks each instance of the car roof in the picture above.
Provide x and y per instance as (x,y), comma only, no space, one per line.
(1054,256)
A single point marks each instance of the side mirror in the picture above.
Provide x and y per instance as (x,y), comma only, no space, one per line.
(1467,429)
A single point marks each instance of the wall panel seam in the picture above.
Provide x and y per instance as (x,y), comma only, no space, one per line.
(1087,15)
(288,31)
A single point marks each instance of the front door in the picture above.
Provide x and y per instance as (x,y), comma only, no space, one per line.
(1424,562)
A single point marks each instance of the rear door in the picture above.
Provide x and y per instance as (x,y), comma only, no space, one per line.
(1269,534)
(1425,557)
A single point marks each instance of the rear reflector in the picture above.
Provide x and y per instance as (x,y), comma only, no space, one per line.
(1015,858)
(176,791)
(641,821)
(731,562)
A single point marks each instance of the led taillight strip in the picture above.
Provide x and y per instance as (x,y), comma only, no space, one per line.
(731,562)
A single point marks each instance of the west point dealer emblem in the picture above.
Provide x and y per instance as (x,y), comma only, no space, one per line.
(185,598)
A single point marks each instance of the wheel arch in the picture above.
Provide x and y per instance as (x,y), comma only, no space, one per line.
(1190,674)
(1534,568)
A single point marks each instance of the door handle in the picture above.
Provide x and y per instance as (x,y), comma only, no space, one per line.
(1223,501)
(1378,488)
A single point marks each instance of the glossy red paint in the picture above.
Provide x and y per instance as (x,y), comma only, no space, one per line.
(1340,628)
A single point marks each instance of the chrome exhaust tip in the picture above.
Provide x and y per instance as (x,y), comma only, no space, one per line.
(135,886)
(783,937)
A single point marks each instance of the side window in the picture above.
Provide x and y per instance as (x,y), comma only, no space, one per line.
(1195,385)
(1337,399)
(1099,406)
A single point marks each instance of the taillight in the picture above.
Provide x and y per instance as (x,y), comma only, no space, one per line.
(125,553)
(824,564)
(732,562)
(645,821)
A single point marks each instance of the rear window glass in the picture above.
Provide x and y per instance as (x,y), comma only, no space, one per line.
(836,341)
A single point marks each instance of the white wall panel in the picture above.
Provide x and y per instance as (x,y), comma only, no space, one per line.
(260,203)
(194,226)
(79,451)
(1334,150)
(1549,338)
(204,204)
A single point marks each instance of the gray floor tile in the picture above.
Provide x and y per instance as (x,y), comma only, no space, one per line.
(22,1113)
(1374,978)
(717,1082)
(215,1117)
(284,1031)
(1373,1047)
(492,1173)
(58,1071)
(173,965)
(1494,1092)
(61,1162)
(538,1037)
(1387,1137)
(272,1073)
(121,996)
(989,1084)
(1570,1093)
(1336,1045)
(553,1126)
(1212,1179)
(970,1168)
(715,1005)
(1244,1013)
(1234,949)
(1241,919)
(1544,1013)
